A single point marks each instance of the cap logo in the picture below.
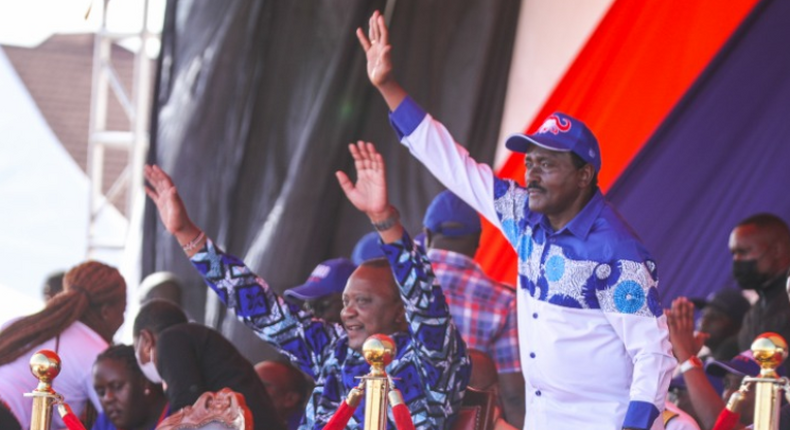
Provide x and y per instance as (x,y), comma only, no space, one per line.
(555,125)
(320,272)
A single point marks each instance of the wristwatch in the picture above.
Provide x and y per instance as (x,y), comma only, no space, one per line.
(693,362)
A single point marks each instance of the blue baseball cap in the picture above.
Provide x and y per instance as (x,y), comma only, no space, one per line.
(562,133)
(679,383)
(742,364)
(367,248)
(328,277)
(450,216)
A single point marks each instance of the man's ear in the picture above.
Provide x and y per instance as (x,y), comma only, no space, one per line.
(586,174)
(147,342)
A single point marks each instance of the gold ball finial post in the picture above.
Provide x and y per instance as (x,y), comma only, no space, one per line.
(378,351)
(45,366)
(769,350)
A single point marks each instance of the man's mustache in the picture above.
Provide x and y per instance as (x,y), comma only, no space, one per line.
(535,186)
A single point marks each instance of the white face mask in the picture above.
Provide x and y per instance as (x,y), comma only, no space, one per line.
(149,369)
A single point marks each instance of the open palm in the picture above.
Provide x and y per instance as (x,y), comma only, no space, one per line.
(165,196)
(377,50)
(680,319)
(369,194)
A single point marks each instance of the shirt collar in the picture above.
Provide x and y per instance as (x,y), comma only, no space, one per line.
(582,223)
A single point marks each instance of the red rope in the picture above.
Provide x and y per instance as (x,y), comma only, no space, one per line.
(402,417)
(727,420)
(341,417)
(72,422)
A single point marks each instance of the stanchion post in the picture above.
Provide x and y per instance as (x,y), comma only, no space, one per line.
(378,351)
(45,366)
(769,350)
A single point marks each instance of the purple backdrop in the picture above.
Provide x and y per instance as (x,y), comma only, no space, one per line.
(719,157)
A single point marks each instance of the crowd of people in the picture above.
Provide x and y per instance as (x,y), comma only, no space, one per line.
(582,341)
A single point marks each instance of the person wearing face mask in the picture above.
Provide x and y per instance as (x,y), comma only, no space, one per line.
(760,248)
(190,359)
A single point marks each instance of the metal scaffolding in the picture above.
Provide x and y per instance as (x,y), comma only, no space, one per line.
(135,102)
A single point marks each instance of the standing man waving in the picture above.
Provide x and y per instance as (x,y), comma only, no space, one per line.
(594,343)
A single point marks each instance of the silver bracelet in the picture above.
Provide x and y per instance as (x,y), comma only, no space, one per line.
(194,242)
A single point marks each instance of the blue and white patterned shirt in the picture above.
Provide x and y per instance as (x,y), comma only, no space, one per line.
(431,362)
(594,344)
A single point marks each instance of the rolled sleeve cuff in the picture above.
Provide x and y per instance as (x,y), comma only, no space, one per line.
(406,117)
(640,415)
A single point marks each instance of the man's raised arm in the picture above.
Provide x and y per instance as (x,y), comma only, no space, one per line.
(294,333)
(426,138)
(440,352)
(377,50)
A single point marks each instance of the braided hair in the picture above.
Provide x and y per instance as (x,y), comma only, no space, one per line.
(86,288)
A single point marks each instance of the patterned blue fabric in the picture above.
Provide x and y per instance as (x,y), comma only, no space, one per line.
(594,262)
(431,362)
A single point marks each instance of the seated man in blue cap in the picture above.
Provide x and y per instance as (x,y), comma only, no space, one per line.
(323,292)
(483,309)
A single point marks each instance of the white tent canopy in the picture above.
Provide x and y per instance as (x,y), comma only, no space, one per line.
(44,220)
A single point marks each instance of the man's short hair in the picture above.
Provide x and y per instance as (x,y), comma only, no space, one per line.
(766,221)
(295,379)
(161,285)
(157,315)
(383,264)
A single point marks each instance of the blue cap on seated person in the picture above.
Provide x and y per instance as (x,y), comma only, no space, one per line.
(563,133)
(328,277)
(448,215)
(367,248)
(679,383)
(742,364)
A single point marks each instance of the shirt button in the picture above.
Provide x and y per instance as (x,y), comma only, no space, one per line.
(535,315)
(532,355)
(537,393)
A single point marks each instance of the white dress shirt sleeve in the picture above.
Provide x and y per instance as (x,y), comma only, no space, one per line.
(431,143)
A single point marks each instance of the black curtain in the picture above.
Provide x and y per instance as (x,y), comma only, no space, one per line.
(256,102)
